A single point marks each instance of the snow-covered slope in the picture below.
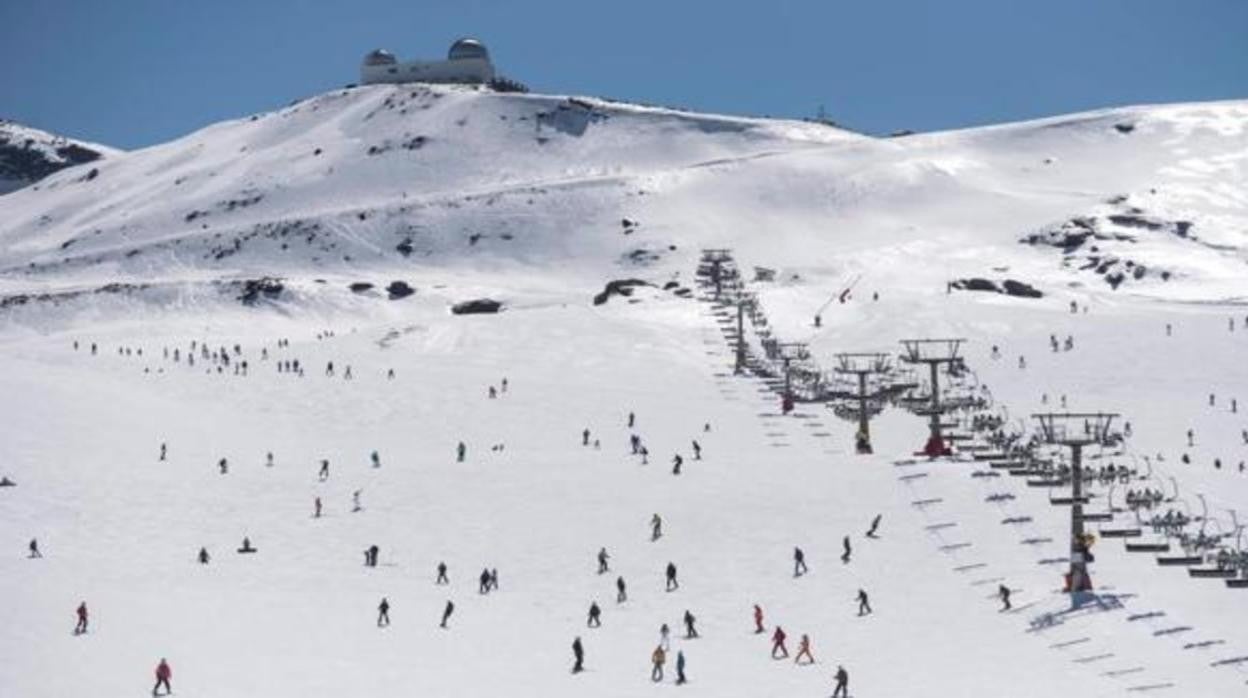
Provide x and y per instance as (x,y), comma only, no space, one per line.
(27,155)
(1136,215)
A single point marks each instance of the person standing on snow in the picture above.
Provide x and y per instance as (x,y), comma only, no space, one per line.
(442,579)
(316,508)
(690,631)
(677,461)
(323,475)
(842,683)
(460,451)
(578,651)
(484,586)
(656,526)
(203,556)
(671,584)
(657,658)
(1003,592)
(778,650)
(34,548)
(758,620)
(585,437)
(697,450)
(848,550)
(602,561)
(621,595)
(163,674)
(594,619)
(803,650)
(864,606)
(383,613)
(82,619)
(799,562)
(680,668)
(875,525)
(446,613)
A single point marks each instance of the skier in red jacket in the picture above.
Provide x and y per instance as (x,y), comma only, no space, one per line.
(758,620)
(163,674)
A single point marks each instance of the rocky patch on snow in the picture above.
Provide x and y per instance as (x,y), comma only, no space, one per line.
(479,306)
(1009,287)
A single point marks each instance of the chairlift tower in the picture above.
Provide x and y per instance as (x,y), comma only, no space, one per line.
(1075,430)
(934,352)
(717,259)
(862,365)
(790,351)
(744,300)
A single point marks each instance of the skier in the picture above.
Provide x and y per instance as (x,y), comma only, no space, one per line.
(842,683)
(645,455)
(656,524)
(657,659)
(585,437)
(82,619)
(246,546)
(671,584)
(777,644)
(621,594)
(632,419)
(758,620)
(383,613)
(268,459)
(316,507)
(690,631)
(676,463)
(460,451)
(1003,592)
(376,460)
(803,650)
(697,450)
(578,651)
(224,465)
(442,579)
(324,474)
(163,674)
(493,392)
(864,605)
(34,549)
(635,442)
(163,451)
(355,501)
(665,637)
(1190,435)
(594,619)
(494,579)
(799,562)
(848,550)
(680,668)
(484,587)
(875,525)
(504,384)
(203,556)
(446,613)
(602,561)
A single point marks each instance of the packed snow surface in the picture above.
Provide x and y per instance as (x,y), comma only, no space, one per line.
(295,225)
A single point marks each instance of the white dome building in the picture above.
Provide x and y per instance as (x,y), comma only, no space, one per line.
(467,62)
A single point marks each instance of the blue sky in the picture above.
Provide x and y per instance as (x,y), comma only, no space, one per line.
(135,72)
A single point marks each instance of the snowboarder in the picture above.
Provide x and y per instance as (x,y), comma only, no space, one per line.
(484,587)
(34,549)
(680,668)
(376,459)
(803,650)
(657,659)
(758,620)
(203,556)
(1003,592)
(163,674)
(316,507)
(383,613)
(446,613)
(848,550)
(864,605)
(697,450)
(799,562)
(632,419)
(460,451)
(504,384)
(164,450)
(324,473)
(691,632)
(842,683)
(578,651)
(268,459)
(656,525)
(442,579)
(82,619)
(621,593)
(355,501)
(602,561)
(585,437)
(493,392)
(594,620)
(676,463)
(671,583)
(224,465)
(778,650)
(875,525)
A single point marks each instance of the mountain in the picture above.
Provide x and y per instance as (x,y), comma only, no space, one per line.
(189,330)
(27,155)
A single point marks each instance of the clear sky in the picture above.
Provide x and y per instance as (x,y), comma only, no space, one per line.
(135,72)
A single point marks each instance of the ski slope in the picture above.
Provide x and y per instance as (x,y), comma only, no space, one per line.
(538,202)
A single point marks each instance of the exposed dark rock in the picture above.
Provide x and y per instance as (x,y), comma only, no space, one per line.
(479,306)
(619,287)
(361,287)
(265,287)
(399,289)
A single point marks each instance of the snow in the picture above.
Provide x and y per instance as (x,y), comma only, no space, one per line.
(120,529)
